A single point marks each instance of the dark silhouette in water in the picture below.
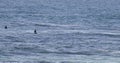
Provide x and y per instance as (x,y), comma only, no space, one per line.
(35,32)
(6,27)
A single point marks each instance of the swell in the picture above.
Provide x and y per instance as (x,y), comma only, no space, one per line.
(85,32)
(55,25)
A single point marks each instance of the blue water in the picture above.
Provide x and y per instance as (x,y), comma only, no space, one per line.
(68,31)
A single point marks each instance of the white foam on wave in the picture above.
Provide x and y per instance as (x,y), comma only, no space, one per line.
(82,31)
(106,32)
(62,58)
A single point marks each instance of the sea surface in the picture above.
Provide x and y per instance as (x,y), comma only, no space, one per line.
(68,31)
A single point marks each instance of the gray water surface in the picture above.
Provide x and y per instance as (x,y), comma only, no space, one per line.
(69,31)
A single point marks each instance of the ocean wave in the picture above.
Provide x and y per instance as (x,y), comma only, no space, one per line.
(55,25)
(85,32)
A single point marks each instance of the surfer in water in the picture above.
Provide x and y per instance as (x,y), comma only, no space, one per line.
(35,32)
(5,27)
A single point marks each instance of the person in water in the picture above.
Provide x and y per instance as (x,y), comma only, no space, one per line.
(5,27)
(35,32)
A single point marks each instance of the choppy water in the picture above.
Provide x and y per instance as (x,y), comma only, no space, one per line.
(69,31)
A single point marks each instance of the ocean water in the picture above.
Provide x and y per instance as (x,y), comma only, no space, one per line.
(68,31)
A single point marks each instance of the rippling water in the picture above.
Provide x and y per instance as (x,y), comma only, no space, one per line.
(69,31)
